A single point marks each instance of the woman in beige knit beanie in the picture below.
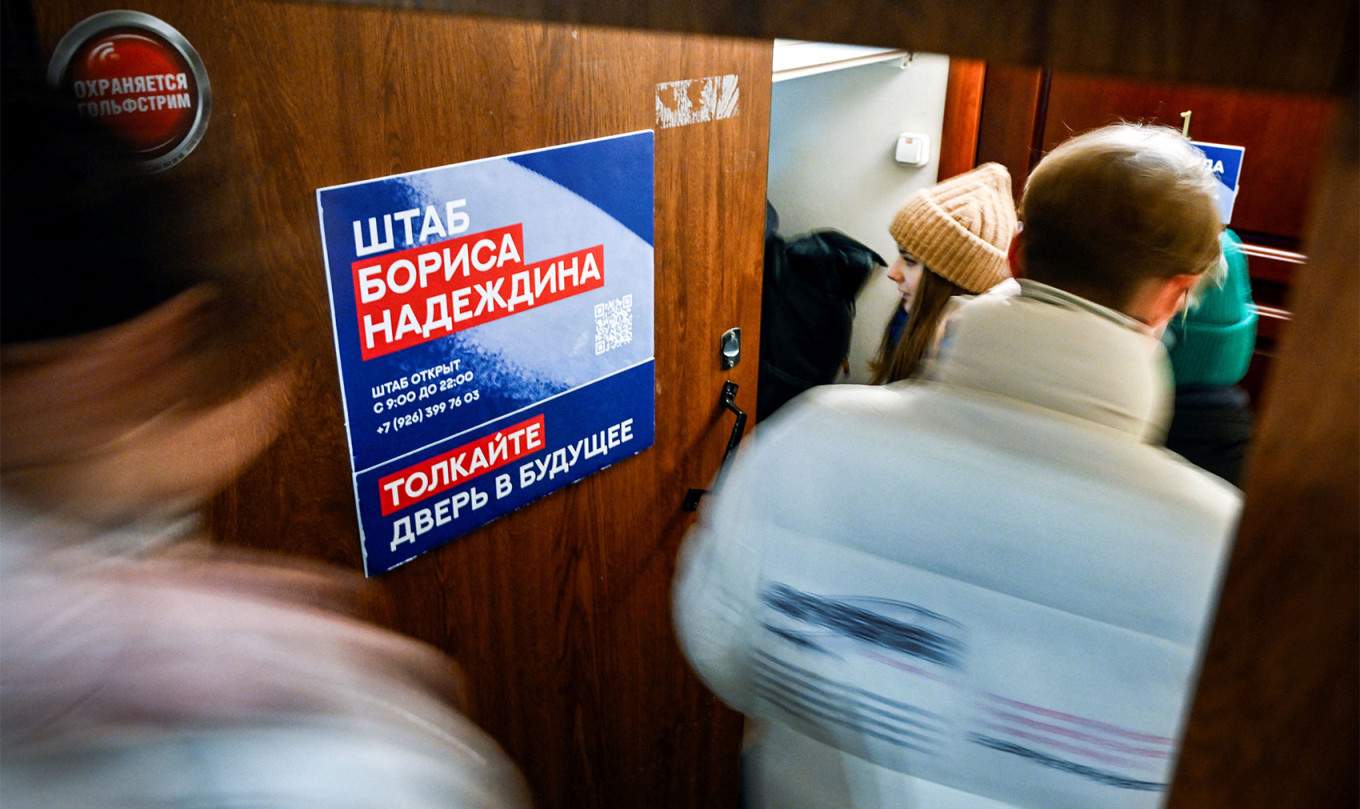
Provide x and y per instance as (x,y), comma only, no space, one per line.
(952,240)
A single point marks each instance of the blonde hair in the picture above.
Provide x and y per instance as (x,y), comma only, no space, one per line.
(1117,206)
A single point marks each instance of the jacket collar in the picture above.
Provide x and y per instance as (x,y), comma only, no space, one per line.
(1053,350)
(1065,299)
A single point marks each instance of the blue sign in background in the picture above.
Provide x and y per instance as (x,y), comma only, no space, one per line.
(1226,163)
(586,362)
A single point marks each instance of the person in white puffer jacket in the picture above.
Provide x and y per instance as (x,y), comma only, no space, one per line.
(988,586)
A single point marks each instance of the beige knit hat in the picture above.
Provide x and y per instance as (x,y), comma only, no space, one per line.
(961,228)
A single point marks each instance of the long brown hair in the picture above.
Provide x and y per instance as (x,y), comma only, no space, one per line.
(900,359)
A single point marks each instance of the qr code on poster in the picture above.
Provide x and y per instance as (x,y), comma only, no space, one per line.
(613,324)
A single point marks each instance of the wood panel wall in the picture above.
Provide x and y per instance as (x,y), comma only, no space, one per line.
(1308,46)
(559,613)
(1284,136)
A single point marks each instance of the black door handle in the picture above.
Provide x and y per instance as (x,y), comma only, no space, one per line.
(729,401)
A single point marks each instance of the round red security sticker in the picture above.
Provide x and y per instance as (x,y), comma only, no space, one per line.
(139,77)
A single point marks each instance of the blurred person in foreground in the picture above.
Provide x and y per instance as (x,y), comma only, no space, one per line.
(987,586)
(138,666)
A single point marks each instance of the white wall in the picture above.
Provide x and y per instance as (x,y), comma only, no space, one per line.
(832,137)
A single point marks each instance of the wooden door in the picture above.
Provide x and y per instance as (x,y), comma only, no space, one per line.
(559,613)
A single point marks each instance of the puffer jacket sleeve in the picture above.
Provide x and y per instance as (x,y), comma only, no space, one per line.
(718,571)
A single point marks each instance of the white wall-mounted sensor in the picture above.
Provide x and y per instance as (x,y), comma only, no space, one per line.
(913,150)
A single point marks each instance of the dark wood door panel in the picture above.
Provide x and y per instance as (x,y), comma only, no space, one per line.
(1010,119)
(1284,136)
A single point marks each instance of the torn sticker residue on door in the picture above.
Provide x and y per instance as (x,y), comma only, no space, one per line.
(694,101)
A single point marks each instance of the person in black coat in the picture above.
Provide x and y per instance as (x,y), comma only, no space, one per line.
(807,308)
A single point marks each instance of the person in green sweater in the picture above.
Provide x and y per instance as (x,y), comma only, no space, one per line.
(1210,348)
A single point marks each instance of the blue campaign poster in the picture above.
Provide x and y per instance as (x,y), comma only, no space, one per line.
(493,325)
(1226,164)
